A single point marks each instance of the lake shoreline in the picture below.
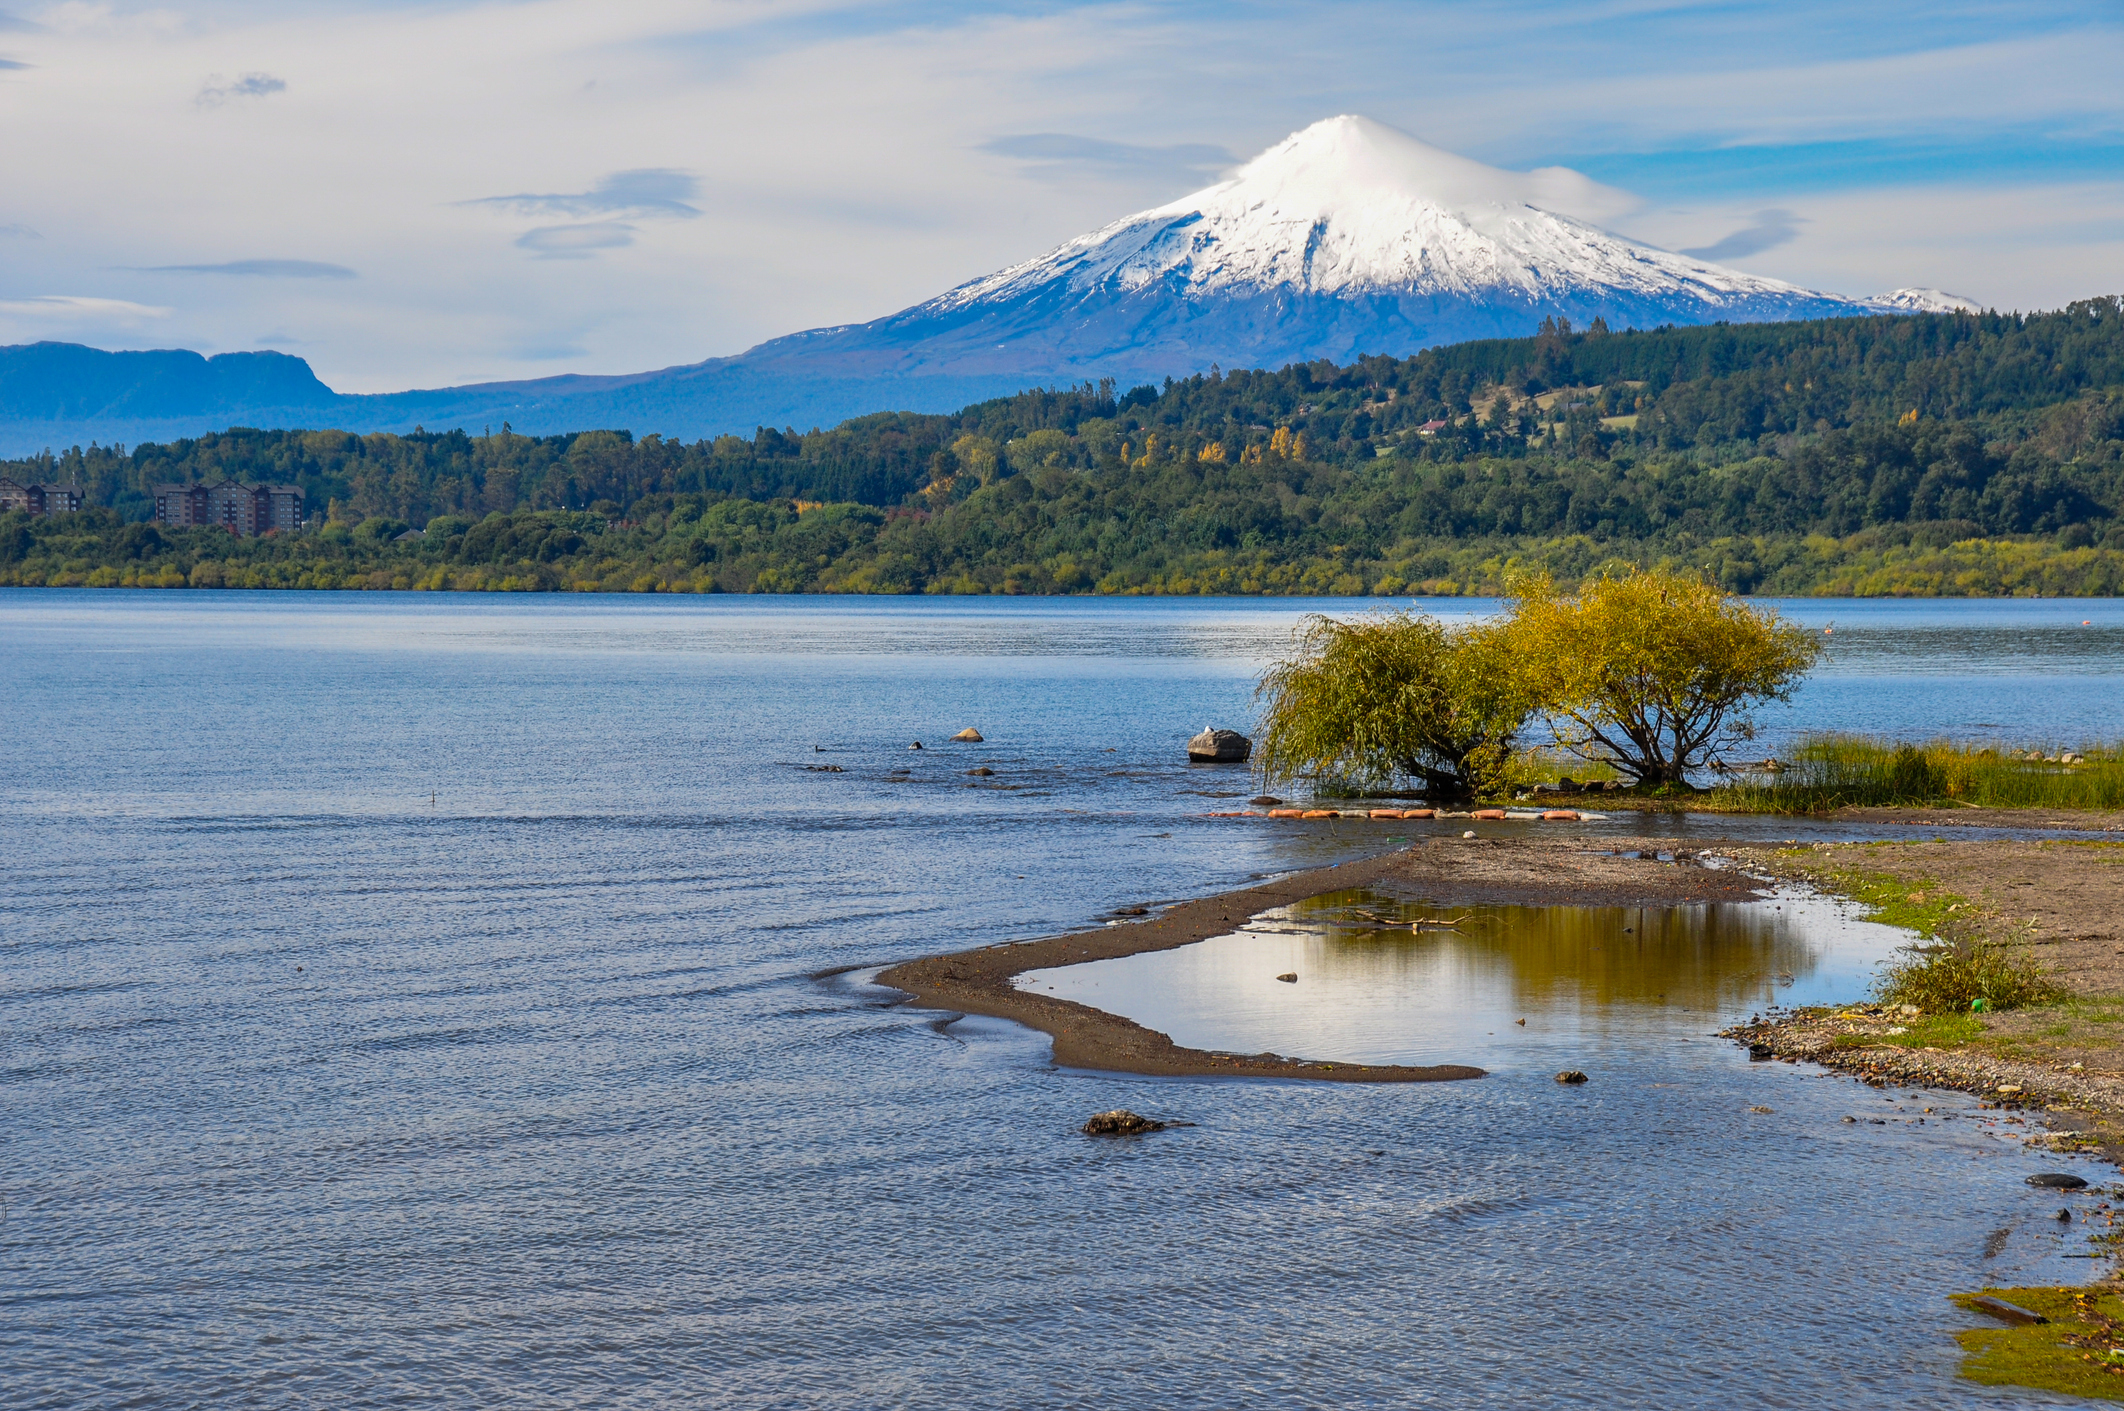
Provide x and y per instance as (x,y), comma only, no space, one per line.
(1574,870)
(2059,902)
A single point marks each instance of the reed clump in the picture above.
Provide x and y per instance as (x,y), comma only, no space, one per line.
(1843,771)
(1954,976)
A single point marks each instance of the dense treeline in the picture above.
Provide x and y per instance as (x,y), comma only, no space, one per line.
(1971,453)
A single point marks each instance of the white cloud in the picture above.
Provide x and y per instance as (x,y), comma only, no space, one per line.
(2037,247)
(575,242)
(1767,231)
(251,85)
(650,191)
(79,306)
(261,269)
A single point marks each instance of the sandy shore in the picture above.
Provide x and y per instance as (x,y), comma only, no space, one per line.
(1548,870)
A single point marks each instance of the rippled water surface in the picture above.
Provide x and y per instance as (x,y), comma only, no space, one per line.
(451,1001)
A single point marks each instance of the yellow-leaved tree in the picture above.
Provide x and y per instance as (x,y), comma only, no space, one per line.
(1653,672)
(1380,699)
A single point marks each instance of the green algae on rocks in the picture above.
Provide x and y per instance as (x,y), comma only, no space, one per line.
(2079,1351)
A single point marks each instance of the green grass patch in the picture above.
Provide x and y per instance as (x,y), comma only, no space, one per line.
(1847,771)
(2071,1353)
(1921,906)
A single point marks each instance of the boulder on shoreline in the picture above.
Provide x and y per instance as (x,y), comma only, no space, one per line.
(2057,1181)
(1214,746)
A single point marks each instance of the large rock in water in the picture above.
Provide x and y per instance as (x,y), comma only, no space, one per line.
(1219,747)
(1120,1123)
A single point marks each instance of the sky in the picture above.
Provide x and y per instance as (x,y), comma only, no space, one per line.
(418,195)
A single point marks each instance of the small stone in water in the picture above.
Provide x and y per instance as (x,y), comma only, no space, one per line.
(1570,1075)
(2057,1181)
(1289,979)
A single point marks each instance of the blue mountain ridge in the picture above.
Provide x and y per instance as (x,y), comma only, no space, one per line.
(55,395)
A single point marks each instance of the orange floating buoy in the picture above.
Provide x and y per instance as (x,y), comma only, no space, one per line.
(1319,813)
(1559,815)
(1286,813)
(1386,813)
(1493,814)
(1419,813)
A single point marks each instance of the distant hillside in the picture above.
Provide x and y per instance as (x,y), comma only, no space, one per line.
(1740,449)
(60,386)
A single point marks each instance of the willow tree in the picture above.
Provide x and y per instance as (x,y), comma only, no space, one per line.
(1653,673)
(1393,697)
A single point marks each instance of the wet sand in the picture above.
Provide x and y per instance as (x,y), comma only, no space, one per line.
(1574,871)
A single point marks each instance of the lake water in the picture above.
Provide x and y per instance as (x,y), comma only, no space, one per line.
(1513,989)
(461,1001)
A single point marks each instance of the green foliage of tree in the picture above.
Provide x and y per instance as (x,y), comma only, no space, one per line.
(1653,672)
(1379,700)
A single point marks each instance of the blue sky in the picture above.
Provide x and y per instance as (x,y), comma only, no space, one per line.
(422,194)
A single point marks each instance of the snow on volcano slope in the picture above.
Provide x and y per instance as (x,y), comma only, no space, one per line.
(1921,301)
(1352,207)
(1348,237)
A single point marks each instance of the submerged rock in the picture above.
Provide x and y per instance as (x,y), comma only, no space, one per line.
(1265,801)
(1214,746)
(984,772)
(1570,1075)
(1120,1123)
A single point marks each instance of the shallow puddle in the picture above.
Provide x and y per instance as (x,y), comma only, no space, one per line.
(1380,980)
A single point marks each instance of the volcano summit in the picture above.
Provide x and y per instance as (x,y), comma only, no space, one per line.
(1346,238)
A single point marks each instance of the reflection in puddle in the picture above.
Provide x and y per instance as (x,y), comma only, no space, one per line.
(1381,980)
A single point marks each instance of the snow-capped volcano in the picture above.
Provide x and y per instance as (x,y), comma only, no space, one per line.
(1343,239)
(1352,207)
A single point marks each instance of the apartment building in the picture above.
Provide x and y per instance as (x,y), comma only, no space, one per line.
(39,499)
(243,510)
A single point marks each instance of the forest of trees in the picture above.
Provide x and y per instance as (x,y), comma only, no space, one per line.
(1928,453)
